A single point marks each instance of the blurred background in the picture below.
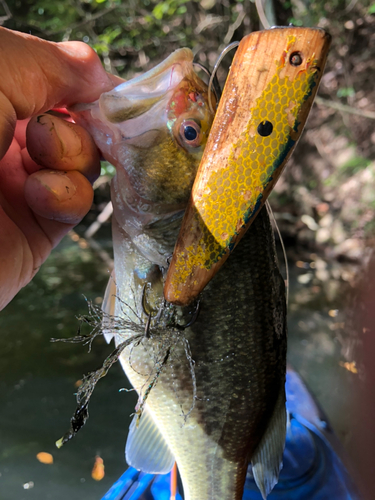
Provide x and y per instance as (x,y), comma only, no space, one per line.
(324,205)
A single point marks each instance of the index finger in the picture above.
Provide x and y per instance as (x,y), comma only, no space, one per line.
(38,75)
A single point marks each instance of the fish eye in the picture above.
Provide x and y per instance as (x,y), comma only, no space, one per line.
(190,133)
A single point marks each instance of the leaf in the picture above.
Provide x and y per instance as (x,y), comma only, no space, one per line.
(345,92)
(98,471)
(160,10)
(45,458)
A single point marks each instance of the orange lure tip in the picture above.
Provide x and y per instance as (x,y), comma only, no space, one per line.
(267,97)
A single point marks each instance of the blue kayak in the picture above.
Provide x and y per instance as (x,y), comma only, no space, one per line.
(312,467)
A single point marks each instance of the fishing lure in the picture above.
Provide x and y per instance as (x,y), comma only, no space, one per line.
(266,100)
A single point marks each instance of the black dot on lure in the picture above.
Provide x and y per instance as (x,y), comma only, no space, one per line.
(190,133)
(265,128)
(295,59)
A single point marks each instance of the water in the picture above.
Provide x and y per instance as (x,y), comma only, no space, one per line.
(319,346)
(37,377)
(38,384)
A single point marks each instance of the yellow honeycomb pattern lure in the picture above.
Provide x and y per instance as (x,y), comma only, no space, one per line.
(265,103)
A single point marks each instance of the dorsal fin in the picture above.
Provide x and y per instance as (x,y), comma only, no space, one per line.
(146,449)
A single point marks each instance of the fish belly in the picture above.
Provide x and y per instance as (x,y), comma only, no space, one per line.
(218,382)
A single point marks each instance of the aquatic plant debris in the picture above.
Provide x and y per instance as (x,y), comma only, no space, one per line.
(85,391)
(98,471)
(100,323)
(351,367)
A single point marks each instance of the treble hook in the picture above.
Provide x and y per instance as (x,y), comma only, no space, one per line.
(147,328)
(215,82)
(149,314)
(193,319)
(159,313)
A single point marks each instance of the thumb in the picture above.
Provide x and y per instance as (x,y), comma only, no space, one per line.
(37,75)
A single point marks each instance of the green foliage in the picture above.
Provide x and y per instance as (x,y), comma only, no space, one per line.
(119,30)
(104,41)
(133,35)
(295,22)
(107,169)
(169,8)
(370,228)
(354,165)
(346,92)
(312,13)
(348,169)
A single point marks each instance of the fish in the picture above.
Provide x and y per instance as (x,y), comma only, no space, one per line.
(210,376)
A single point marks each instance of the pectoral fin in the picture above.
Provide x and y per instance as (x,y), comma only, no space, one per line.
(146,449)
(267,458)
(109,302)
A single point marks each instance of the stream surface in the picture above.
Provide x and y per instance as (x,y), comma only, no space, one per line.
(37,377)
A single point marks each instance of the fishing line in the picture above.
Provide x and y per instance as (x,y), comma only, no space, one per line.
(213,78)
(262,16)
(213,74)
(216,84)
(272,217)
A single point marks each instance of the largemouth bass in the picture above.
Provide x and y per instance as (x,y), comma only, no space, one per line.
(211,387)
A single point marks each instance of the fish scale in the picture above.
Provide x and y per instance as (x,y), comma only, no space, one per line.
(238,344)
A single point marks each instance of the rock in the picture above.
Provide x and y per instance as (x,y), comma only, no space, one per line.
(351,248)
(323,235)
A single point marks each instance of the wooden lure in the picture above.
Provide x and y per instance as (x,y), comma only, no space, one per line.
(266,100)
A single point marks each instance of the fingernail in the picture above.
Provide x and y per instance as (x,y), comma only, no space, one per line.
(57,183)
(69,141)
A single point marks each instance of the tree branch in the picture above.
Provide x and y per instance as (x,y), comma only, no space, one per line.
(345,108)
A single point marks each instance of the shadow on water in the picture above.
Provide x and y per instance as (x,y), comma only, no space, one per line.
(37,377)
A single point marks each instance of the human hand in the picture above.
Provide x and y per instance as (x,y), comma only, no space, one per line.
(45,171)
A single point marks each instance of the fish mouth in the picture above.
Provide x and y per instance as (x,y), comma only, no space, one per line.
(135,97)
(137,106)
(134,116)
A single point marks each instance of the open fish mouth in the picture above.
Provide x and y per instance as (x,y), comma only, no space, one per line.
(153,129)
(136,108)
(135,97)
